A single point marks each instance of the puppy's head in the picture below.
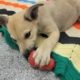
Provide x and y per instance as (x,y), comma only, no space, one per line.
(23,27)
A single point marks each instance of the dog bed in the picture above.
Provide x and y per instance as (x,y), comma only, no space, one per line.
(66,53)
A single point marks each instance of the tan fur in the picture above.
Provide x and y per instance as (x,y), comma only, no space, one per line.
(53,17)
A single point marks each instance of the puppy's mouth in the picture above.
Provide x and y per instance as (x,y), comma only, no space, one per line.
(27,52)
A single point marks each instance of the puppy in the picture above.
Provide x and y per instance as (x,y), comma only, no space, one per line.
(49,18)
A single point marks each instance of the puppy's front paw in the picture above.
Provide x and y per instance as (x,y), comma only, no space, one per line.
(42,56)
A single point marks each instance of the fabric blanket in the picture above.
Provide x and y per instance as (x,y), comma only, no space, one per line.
(13,65)
(66,53)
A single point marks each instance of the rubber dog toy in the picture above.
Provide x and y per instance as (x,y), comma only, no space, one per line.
(48,67)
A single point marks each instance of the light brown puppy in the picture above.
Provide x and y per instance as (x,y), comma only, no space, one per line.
(50,18)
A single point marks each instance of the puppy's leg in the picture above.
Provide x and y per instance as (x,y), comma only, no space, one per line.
(42,54)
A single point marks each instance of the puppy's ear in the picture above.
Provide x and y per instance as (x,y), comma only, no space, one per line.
(3,19)
(32,12)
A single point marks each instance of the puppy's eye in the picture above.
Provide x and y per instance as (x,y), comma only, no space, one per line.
(27,35)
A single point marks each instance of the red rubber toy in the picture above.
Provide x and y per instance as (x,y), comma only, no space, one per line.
(48,67)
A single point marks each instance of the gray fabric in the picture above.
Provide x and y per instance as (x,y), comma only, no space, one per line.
(13,66)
